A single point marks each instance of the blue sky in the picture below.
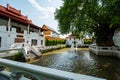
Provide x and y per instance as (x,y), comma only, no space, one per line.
(39,11)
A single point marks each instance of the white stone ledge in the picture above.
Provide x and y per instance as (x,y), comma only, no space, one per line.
(43,73)
(105,51)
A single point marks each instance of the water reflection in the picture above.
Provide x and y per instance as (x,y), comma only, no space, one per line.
(84,63)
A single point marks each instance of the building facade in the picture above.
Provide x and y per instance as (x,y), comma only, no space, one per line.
(50,32)
(71,39)
(16,28)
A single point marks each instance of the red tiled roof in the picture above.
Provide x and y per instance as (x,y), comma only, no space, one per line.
(14,14)
(49,28)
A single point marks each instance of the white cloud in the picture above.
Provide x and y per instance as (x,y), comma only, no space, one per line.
(49,0)
(45,11)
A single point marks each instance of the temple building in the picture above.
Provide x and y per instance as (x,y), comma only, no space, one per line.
(50,33)
(16,28)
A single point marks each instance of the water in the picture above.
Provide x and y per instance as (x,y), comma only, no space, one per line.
(83,62)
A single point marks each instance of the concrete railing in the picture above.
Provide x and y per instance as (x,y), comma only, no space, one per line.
(106,51)
(25,52)
(27,48)
(18,69)
(16,46)
(35,51)
(50,47)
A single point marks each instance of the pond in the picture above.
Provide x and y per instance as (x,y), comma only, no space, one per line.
(82,62)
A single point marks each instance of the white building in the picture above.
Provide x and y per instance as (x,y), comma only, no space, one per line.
(16,29)
(71,39)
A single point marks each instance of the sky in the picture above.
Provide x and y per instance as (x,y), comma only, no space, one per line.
(39,11)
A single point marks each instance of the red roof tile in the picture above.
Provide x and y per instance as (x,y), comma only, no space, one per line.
(16,15)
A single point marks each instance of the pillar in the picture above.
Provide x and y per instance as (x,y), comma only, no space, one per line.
(9,24)
(28,29)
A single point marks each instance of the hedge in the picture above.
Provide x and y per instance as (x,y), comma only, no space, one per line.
(88,41)
(54,42)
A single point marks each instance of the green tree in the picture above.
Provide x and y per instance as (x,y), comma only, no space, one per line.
(101,17)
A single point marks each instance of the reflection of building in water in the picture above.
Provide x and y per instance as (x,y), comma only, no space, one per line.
(72,40)
(16,28)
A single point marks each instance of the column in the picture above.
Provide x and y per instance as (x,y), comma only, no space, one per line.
(39,30)
(39,39)
(9,22)
(28,29)
(43,37)
(27,38)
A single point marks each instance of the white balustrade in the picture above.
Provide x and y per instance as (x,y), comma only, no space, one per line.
(16,46)
(26,53)
(25,32)
(35,51)
(2,28)
(13,30)
(17,70)
(106,51)
(34,34)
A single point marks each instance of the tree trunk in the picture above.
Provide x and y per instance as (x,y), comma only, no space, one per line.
(104,36)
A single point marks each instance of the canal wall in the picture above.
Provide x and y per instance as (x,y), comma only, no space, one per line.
(10,53)
(105,51)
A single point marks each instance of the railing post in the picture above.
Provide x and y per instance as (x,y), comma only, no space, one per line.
(2,68)
(17,70)
(15,76)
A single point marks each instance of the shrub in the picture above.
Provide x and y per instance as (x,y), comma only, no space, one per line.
(88,41)
(18,56)
(54,42)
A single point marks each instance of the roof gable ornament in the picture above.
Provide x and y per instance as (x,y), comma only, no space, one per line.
(13,10)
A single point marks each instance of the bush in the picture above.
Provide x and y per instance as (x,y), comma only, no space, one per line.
(54,42)
(88,41)
(18,56)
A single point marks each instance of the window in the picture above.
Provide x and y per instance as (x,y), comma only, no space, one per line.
(34,42)
(6,28)
(0,41)
(19,40)
(41,42)
(18,29)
